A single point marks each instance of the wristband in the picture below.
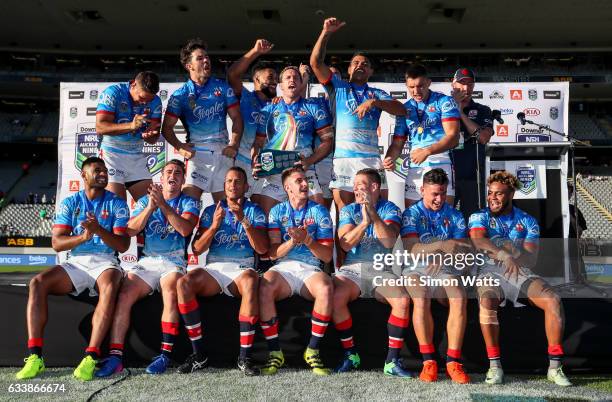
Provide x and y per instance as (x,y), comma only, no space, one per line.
(245,223)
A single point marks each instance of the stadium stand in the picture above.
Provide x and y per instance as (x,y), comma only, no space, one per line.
(595,202)
(41,179)
(26,220)
(583,127)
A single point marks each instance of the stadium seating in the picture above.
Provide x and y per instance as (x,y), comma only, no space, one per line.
(595,202)
(583,127)
(25,220)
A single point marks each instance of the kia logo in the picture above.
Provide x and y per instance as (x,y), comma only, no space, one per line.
(128,258)
(531,111)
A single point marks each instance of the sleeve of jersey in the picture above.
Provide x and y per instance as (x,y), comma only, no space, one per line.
(273,221)
(324,233)
(190,207)
(231,100)
(258,218)
(409,220)
(141,204)
(345,218)
(533,230)
(107,102)
(206,218)
(392,214)
(382,95)
(156,106)
(460,231)
(322,116)
(478,221)
(122,215)
(449,108)
(63,218)
(401,128)
(174,105)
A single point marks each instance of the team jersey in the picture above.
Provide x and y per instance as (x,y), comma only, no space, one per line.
(517,227)
(422,125)
(203,110)
(111,211)
(250,108)
(432,226)
(116,100)
(354,138)
(293,127)
(230,243)
(327,161)
(161,238)
(317,221)
(369,244)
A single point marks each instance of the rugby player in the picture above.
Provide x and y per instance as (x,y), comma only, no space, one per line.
(127,114)
(202,104)
(231,231)
(367,227)
(301,239)
(167,218)
(433,228)
(510,238)
(91,226)
(431,123)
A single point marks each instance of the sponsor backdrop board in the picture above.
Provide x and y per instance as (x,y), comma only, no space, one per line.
(546,103)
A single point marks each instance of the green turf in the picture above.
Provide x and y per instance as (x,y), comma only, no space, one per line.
(21,268)
(231,385)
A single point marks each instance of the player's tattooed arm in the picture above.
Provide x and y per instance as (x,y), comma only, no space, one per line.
(326,135)
(185,149)
(241,66)
(350,235)
(528,257)
(237,126)
(394,151)
(278,248)
(449,141)
(204,236)
(105,124)
(62,238)
(317,57)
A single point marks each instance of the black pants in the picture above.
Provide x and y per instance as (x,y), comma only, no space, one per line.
(466,184)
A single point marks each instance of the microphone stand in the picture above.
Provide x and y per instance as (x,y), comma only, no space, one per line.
(580,280)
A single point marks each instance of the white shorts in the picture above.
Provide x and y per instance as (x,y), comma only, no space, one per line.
(414,181)
(369,280)
(225,273)
(84,271)
(153,269)
(272,186)
(511,288)
(345,169)
(324,174)
(249,172)
(125,168)
(295,273)
(206,170)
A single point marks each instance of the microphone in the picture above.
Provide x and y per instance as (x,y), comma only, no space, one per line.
(496,114)
(521,117)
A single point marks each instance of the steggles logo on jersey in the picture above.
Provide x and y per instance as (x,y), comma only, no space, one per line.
(208,114)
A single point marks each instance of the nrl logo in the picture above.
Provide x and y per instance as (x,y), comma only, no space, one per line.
(267,161)
(554,112)
(533,94)
(527,177)
(93,94)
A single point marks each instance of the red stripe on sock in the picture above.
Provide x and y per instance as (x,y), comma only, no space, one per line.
(493,352)
(429,348)
(194,332)
(93,349)
(251,319)
(347,343)
(35,342)
(247,340)
(269,330)
(318,329)
(454,353)
(171,328)
(555,350)
(398,322)
(167,348)
(320,317)
(188,307)
(116,346)
(346,324)
(396,343)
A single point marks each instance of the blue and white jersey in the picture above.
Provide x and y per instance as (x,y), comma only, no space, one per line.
(231,243)
(432,226)
(116,100)
(293,127)
(161,238)
(369,243)
(203,110)
(111,211)
(313,216)
(250,109)
(354,138)
(517,227)
(422,125)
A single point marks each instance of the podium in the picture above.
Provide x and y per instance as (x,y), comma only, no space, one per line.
(542,169)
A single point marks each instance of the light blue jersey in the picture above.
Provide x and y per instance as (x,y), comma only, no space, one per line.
(369,243)
(250,108)
(313,216)
(161,238)
(432,226)
(230,243)
(203,110)
(354,138)
(517,227)
(111,211)
(116,101)
(422,125)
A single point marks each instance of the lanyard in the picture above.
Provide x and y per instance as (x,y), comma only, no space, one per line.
(360,98)
(292,109)
(195,94)
(89,205)
(173,203)
(292,215)
(230,218)
(505,230)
